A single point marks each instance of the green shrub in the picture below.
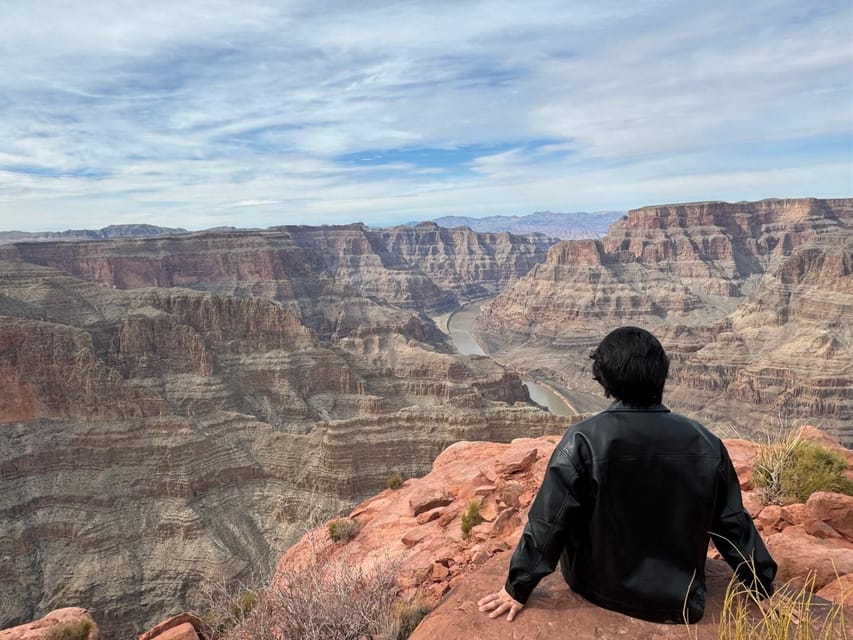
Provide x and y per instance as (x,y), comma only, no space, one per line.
(471,518)
(394,481)
(78,630)
(793,469)
(343,529)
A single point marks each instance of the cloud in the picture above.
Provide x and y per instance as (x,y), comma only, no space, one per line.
(327,112)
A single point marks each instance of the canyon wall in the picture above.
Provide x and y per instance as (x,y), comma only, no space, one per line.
(752,300)
(155,439)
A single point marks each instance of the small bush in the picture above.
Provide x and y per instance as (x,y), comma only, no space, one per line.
(78,630)
(793,469)
(471,518)
(394,481)
(335,600)
(343,529)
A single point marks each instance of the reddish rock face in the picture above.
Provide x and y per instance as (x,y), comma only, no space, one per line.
(472,567)
(39,629)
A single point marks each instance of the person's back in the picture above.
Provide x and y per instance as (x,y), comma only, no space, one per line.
(630,498)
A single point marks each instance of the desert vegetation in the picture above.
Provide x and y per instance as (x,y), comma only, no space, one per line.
(78,630)
(343,529)
(337,600)
(792,613)
(471,518)
(792,469)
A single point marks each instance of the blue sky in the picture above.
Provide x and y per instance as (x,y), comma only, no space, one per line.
(200,114)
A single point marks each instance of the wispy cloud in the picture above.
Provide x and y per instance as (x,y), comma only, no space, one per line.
(202,114)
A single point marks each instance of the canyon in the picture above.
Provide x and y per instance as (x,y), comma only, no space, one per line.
(156,438)
(179,410)
(753,302)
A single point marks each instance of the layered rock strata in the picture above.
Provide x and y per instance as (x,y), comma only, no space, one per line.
(425,268)
(752,300)
(155,440)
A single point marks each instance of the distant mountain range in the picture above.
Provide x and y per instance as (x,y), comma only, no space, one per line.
(112,231)
(574,225)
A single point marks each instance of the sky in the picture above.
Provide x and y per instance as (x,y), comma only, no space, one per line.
(253,114)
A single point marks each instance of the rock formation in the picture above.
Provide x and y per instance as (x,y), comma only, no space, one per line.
(154,440)
(752,300)
(415,531)
(310,268)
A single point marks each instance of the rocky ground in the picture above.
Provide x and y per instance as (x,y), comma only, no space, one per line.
(415,532)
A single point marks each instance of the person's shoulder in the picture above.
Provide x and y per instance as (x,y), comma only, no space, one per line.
(712,439)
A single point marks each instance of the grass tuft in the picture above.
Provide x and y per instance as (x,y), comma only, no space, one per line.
(343,529)
(78,630)
(394,481)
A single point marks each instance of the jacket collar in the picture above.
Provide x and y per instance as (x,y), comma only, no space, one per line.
(617,406)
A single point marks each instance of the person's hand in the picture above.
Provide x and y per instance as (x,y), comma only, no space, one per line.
(499,603)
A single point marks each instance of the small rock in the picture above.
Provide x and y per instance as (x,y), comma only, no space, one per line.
(515,461)
(507,520)
(428,498)
(835,509)
(510,493)
(439,572)
(449,515)
(183,631)
(480,556)
(429,516)
(839,590)
(414,536)
(484,489)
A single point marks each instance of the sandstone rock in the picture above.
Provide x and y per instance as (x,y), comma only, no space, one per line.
(426,500)
(798,553)
(840,590)
(515,461)
(187,626)
(554,606)
(440,558)
(835,509)
(38,629)
(429,516)
(183,631)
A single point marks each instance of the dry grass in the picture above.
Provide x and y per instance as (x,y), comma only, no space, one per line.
(69,631)
(790,614)
(792,469)
(339,599)
(343,529)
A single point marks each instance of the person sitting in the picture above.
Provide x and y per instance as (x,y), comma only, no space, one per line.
(630,499)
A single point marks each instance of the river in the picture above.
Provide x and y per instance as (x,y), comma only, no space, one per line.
(459,325)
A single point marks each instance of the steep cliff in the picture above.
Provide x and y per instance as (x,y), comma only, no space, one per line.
(752,300)
(153,440)
(309,268)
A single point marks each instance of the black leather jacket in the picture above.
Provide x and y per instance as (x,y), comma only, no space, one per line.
(628,503)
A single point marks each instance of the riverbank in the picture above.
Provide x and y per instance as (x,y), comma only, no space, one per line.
(459,325)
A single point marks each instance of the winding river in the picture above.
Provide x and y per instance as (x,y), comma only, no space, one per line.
(459,325)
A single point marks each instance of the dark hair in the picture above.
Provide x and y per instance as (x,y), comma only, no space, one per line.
(632,366)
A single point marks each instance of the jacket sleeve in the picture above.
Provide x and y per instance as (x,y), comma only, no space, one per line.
(735,536)
(543,538)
